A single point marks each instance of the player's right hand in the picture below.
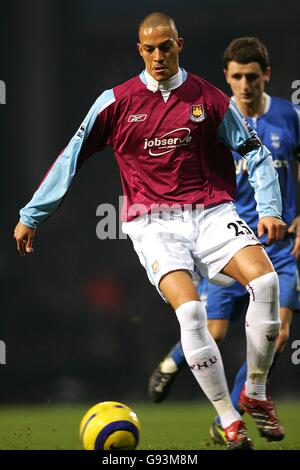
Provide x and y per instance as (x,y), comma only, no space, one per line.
(24,237)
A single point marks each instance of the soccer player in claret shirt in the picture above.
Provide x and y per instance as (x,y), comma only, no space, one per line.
(172,133)
(277,122)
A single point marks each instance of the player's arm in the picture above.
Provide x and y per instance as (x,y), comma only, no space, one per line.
(235,132)
(91,137)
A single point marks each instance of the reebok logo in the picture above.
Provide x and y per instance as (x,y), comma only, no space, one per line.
(137,117)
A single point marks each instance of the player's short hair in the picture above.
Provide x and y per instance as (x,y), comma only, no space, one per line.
(246,49)
(157,19)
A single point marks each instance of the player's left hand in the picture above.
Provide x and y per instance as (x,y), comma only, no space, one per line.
(275,227)
(295,228)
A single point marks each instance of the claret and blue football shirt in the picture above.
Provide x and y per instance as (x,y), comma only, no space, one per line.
(172,142)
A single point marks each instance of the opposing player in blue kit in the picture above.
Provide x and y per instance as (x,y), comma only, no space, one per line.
(277,122)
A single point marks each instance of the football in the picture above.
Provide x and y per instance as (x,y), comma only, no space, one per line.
(109,425)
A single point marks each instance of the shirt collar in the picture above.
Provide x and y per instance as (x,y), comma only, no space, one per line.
(167,85)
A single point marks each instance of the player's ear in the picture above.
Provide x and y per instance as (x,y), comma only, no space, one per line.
(180,43)
(267,74)
(139,48)
(226,74)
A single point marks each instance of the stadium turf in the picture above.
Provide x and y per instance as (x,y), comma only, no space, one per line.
(178,426)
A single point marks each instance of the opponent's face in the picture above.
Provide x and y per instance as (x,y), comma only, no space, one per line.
(160,48)
(247,81)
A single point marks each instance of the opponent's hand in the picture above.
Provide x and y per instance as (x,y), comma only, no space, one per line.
(276,228)
(295,228)
(24,237)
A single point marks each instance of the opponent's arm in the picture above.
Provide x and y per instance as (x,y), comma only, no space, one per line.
(295,225)
(295,228)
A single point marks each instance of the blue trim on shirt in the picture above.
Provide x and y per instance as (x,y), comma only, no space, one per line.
(233,132)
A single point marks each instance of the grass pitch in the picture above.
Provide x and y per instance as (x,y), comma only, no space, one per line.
(170,426)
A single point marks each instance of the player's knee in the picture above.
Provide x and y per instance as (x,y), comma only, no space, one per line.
(219,336)
(196,341)
(264,288)
(217,329)
(191,315)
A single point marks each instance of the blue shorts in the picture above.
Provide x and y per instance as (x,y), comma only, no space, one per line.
(229,303)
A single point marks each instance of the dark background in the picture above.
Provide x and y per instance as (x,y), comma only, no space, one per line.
(79,318)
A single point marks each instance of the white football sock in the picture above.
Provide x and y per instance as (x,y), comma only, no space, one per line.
(204,359)
(262,328)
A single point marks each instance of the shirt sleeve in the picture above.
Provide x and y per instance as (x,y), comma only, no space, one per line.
(92,136)
(236,133)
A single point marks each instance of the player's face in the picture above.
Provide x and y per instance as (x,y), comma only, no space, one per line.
(247,81)
(160,48)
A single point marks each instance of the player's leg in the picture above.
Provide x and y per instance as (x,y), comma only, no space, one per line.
(265,416)
(224,305)
(289,301)
(163,376)
(218,328)
(166,250)
(216,430)
(165,373)
(286,315)
(251,267)
(289,298)
(202,354)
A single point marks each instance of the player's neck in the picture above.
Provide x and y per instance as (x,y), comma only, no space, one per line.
(254,109)
(171,83)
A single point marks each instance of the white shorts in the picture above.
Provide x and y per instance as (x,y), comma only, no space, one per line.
(185,239)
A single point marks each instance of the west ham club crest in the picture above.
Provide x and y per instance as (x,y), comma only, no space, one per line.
(197,113)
